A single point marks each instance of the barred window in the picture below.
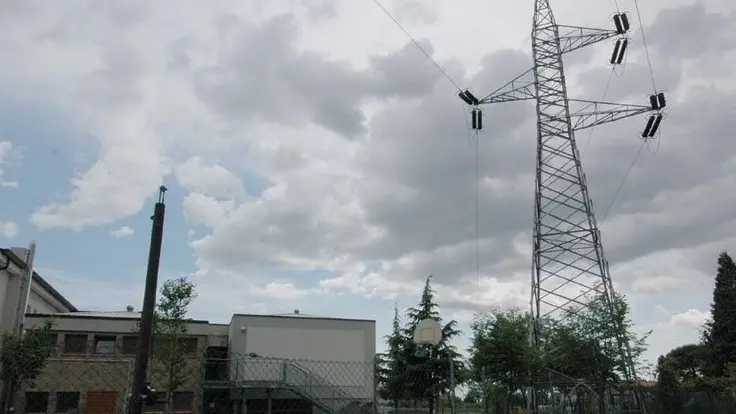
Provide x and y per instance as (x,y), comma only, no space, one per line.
(37,402)
(75,344)
(66,401)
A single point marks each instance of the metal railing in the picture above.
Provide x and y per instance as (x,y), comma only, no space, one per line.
(297,377)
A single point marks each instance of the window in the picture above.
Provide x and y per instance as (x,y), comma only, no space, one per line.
(66,401)
(75,344)
(130,345)
(54,341)
(104,344)
(37,402)
(182,401)
(189,346)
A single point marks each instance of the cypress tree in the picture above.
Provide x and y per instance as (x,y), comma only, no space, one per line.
(719,335)
(393,365)
(429,373)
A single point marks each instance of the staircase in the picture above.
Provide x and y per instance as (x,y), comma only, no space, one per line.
(290,375)
(327,396)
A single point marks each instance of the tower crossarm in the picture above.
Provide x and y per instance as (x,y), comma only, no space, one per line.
(593,113)
(575,37)
(520,88)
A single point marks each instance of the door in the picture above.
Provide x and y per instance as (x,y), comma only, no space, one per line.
(101,402)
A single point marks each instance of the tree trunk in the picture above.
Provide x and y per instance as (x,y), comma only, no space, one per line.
(8,397)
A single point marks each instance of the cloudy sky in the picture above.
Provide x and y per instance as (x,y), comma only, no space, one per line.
(317,159)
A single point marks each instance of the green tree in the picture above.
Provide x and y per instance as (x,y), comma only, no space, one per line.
(501,354)
(719,335)
(24,357)
(605,323)
(428,369)
(170,331)
(595,343)
(393,364)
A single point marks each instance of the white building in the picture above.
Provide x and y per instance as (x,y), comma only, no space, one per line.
(328,360)
(43,297)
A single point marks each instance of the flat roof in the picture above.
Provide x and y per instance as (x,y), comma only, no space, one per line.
(114,315)
(304,316)
(38,279)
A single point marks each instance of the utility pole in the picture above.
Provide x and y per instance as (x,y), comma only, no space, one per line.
(569,266)
(24,293)
(140,389)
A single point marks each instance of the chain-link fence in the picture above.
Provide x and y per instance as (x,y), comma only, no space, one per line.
(687,401)
(428,385)
(99,382)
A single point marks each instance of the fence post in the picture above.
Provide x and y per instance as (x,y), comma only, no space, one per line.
(375,384)
(484,385)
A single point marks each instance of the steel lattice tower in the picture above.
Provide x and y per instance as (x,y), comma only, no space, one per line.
(568,261)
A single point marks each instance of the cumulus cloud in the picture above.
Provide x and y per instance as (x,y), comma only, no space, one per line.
(331,149)
(121,232)
(8,229)
(8,155)
(210,180)
(691,318)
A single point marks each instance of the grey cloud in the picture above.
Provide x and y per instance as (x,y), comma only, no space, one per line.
(398,74)
(630,83)
(418,172)
(319,9)
(691,31)
(412,11)
(424,150)
(427,199)
(266,77)
(115,84)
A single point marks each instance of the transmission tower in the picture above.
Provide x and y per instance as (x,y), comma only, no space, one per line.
(569,266)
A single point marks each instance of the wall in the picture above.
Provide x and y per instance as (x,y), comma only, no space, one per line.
(340,352)
(11,282)
(40,299)
(95,372)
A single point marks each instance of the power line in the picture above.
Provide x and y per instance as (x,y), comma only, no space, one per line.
(646,47)
(416,43)
(623,181)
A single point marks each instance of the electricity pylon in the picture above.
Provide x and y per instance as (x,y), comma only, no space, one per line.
(569,266)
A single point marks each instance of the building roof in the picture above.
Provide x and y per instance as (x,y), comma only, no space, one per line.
(95,314)
(297,314)
(38,279)
(114,315)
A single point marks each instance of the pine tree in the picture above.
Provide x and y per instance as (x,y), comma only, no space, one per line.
(719,335)
(393,364)
(429,372)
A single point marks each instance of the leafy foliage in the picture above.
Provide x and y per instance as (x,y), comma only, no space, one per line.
(720,332)
(701,377)
(581,347)
(392,365)
(407,371)
(596,331)
(500,349)
(170,329)
(24,357)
